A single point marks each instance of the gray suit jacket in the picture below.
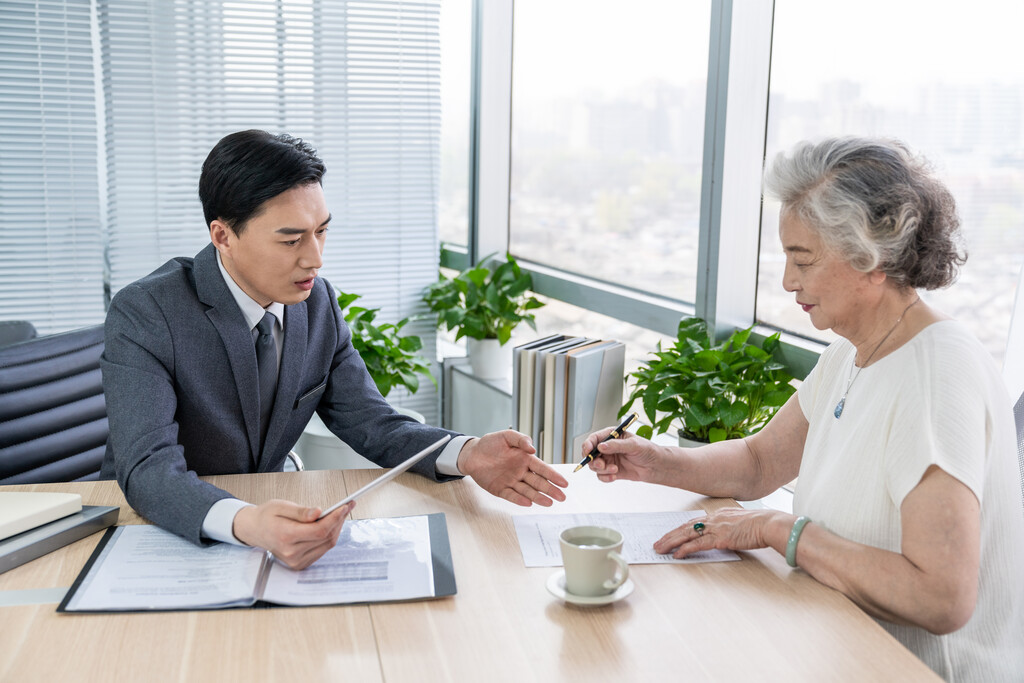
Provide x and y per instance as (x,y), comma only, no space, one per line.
(179,376)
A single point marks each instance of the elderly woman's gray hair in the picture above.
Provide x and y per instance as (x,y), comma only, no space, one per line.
(876,204)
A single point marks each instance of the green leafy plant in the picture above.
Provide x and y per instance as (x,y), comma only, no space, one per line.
(711,392)
(485,302)
(390,357)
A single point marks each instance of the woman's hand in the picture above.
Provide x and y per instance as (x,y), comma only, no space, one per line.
(629,457)
(728,529)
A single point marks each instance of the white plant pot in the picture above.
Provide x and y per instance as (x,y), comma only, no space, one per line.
(414,414)
(320,449)
(690,443)
(488,359)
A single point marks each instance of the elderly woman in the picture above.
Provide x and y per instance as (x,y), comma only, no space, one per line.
(909,495)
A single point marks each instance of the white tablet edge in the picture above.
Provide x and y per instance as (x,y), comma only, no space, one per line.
(394,472)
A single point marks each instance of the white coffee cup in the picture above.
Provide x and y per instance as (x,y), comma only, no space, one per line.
(592,560)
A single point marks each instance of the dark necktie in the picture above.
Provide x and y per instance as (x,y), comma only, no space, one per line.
(266,367)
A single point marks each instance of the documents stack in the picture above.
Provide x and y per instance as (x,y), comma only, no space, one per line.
(563,389)
(33,523)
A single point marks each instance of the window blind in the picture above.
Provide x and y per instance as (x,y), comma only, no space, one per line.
(358,79)
(51,250)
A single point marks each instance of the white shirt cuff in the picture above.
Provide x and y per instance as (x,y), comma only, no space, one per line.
(220,520)
(448,462)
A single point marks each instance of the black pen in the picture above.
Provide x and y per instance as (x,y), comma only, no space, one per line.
(615,433)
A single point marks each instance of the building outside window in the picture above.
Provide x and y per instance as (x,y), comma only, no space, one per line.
(950,83)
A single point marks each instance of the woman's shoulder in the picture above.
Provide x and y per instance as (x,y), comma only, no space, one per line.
(950,337)
(950,353)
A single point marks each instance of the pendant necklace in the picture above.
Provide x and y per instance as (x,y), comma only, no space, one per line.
(855,370)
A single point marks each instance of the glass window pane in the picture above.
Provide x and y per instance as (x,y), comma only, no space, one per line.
(607,139)
(950,83)
(456,55)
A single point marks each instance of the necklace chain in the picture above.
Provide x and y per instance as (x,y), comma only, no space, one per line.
(855,370)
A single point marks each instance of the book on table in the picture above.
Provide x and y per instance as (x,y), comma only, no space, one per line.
(34,523)
(24,510)
(139,568)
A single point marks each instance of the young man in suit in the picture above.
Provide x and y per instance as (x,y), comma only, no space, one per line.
(214,365)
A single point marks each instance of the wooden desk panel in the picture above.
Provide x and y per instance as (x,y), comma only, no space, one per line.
(754,618)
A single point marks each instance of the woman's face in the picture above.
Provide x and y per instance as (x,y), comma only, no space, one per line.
(827,287)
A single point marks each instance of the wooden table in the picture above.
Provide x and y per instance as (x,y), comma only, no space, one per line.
(755,619)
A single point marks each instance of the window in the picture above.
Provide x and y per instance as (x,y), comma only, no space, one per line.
(607,139)
(51,241)
(360,80)
(456,53)
(950,83)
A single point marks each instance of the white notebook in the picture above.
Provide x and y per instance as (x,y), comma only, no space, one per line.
(24,510)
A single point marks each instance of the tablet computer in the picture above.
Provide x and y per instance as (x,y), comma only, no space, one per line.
(391,474)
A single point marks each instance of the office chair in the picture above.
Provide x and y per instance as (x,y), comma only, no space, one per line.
(53,419)
(1013,370)
(293,463)
(14,331)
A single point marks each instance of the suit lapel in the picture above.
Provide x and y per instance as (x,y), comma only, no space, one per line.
(236,336)
(292,360)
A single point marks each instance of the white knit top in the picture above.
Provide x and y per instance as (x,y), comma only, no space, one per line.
(938,399)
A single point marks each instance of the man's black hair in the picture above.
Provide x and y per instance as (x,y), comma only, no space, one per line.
(247,168)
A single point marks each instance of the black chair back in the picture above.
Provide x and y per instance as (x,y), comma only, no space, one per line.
(14,331)
(53,419)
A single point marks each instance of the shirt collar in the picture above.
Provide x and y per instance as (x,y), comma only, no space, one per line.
(252,311)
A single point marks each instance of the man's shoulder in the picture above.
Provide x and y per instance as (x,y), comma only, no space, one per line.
(172,282)
(170,274)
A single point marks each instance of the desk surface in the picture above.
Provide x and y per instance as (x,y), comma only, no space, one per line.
(755,619)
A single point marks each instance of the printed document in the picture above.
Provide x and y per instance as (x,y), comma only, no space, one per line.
(538,536)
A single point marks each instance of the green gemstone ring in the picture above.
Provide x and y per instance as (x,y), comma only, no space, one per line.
(699,528)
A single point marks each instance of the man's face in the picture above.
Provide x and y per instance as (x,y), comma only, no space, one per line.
(280,250)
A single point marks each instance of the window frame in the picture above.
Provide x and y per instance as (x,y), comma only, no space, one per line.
(735,125)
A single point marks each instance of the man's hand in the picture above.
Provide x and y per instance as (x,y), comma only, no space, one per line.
(504,464)
(292,532)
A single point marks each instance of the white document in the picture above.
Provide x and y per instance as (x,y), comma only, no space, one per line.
(538,536)
(144,567)
(375,560)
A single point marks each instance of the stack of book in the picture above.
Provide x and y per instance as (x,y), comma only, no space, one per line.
(35,523)
(563,389)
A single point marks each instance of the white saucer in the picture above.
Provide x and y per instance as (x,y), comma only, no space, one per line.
(556,586)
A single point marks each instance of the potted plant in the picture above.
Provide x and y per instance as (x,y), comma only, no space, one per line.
(484,304)
(710,391)
(392,360)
